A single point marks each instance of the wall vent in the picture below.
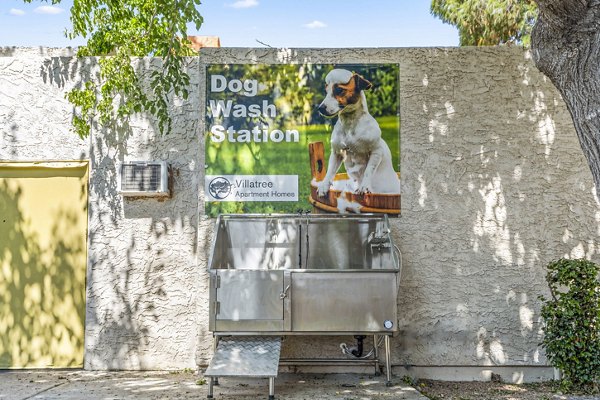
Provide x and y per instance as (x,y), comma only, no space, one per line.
(144,178)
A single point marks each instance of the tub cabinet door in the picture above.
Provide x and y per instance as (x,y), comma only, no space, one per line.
(344,302)
(248,300)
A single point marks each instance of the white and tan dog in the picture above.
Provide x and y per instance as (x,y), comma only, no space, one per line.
(356,138)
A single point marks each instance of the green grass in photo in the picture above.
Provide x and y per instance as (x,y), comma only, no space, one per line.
(281,158)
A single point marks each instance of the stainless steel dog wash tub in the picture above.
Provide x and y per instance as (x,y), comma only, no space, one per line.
(316,274)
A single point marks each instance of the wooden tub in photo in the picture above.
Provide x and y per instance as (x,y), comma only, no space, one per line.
(336,197)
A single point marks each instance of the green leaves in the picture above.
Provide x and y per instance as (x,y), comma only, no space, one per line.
(118,31)
(572,321)
(488,22)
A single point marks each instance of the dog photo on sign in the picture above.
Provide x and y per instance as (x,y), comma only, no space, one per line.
(357,144)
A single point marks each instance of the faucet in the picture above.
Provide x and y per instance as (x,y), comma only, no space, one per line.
(378,239)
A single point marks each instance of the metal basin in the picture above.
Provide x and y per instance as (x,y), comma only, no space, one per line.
(303,274)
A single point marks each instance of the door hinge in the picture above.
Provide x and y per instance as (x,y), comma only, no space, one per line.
(217,307)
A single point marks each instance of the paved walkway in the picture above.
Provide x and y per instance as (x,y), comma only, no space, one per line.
(88,385)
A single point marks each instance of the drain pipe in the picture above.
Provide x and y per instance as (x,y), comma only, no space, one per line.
(358,351)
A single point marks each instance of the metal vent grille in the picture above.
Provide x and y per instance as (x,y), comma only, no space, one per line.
(144,179)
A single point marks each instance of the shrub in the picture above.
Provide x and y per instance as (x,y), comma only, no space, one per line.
(572,322)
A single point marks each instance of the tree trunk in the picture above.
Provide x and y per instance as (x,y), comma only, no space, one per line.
(565,43)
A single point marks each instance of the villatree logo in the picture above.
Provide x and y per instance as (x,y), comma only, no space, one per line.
(219,188)
(251,187)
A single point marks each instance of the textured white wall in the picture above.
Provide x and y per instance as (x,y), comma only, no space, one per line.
(494,187)
(146,293)
(35,117)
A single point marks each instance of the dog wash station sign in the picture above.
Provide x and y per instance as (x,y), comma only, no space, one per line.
(260,120)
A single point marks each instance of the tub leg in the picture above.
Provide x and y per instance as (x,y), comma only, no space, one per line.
(388,361)
(215,344)
(211,382)
(376,355)
(271,388)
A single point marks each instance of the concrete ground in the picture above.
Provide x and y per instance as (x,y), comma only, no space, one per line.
(92,385)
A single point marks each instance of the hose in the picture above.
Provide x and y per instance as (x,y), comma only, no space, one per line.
(399,265)
(350,351)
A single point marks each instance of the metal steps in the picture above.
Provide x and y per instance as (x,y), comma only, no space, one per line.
(245,356)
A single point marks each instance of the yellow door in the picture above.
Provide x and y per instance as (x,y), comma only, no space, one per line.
(43,252)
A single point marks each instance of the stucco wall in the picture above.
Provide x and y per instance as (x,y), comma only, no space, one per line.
(34,115)
(494,187)
(145,290)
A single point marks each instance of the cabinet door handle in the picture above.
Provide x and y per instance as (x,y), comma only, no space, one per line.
(283,294)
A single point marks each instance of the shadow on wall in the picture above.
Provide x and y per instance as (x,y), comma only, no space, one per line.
(142,309)
(21,136)
(59,71)
(499,176)
(143,282)
(7,51)
(42,278)
(142,278)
